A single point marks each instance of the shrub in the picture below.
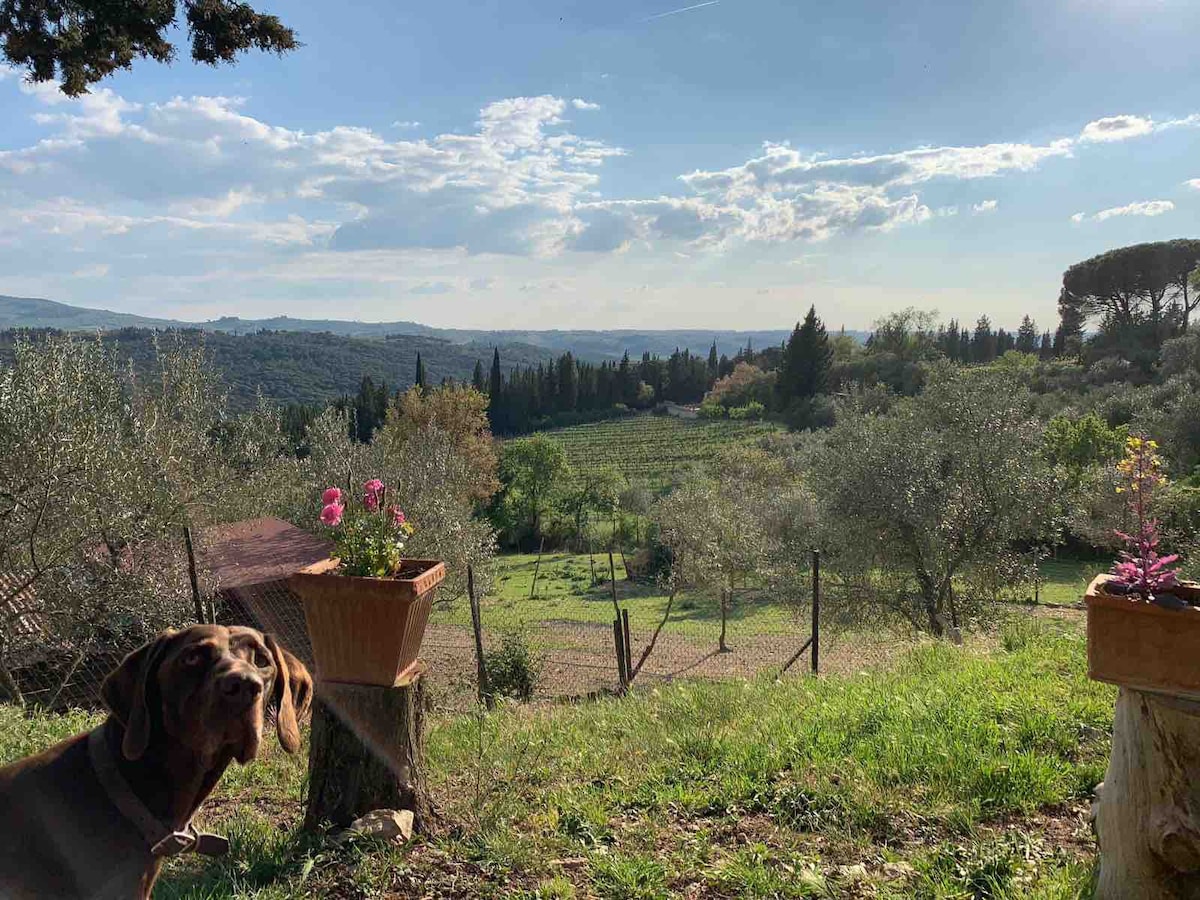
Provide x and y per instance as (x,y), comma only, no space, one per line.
(513,670)
(752,410)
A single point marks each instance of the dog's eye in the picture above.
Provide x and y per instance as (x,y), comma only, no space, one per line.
(261,659)
(194,657)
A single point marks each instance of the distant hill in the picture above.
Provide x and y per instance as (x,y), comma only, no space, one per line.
(23,312)
(315,368)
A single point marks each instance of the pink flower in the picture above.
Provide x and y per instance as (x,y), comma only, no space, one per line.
(332,495)
(332,514)
(397,515)
(373,494)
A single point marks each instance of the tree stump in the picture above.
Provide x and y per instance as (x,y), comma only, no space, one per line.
(1148,808)
(367,752)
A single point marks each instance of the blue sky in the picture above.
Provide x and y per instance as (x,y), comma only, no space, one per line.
(616,164)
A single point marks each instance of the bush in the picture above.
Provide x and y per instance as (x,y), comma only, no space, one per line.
(751,411)
(710,409)
(513,671)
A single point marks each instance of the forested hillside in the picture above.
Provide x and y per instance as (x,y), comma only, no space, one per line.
(314,368)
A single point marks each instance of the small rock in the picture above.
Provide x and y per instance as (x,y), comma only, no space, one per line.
(383,825)
(896,871)
(856,872)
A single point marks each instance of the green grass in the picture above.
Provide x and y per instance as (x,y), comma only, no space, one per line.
(1064,581)
(654,451)
(565,593)
(950,775)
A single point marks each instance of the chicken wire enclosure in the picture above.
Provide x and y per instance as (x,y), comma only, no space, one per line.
(250,563)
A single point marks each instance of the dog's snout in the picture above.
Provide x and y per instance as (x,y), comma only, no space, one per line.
(240,687)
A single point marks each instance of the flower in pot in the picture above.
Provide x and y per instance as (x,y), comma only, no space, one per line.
(1143,621)
(366,608)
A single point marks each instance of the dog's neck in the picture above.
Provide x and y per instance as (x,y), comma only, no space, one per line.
(170,780)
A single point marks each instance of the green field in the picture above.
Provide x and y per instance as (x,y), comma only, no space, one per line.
(653,451)
(565,593)
(950,773)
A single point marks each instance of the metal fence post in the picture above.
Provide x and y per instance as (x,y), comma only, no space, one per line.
(816,611)
(201,618)
(481,679)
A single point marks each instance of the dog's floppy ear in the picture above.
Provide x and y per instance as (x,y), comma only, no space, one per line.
(291,695)
(126,693)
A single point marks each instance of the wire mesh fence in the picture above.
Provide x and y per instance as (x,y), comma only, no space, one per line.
(555,642)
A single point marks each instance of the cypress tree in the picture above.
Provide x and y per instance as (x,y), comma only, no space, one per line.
(477,377)
(419,381)
(806,360)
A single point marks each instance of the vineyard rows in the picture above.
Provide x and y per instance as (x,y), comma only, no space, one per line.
(654,450)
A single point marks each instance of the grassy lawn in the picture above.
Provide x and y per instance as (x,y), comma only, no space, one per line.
(565,593)
(951,774)
(1065,580)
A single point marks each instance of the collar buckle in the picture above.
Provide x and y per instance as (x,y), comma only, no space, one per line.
(175,842)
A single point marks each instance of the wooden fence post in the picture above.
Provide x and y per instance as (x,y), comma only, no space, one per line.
(612,583)
(536,566)
(619,646)
(485,694)
(201,618)
(628,646)
(816,612)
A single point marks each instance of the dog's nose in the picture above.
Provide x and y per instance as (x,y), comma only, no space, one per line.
(240,687)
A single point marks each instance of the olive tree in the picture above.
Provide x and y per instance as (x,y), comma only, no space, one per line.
(435,455)
(99,471)
(715,540)
(945,481)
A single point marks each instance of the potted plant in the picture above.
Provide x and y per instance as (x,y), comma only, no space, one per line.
(366,608)
(1143,623)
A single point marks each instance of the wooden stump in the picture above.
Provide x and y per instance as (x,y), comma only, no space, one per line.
(367,752)
(1148,808)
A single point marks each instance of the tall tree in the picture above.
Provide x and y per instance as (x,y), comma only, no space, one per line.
(1027,336)
(477,381)
(806,360)
(1143,284)
(80,42)
(983,342)
(419,379)
(531,470)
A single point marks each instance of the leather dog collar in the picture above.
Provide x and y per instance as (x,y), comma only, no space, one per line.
(160,839)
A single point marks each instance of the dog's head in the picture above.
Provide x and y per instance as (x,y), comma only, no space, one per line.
(209,688)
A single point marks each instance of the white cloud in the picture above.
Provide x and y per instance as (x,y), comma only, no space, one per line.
(1193,183)
(404,123)
(1116,128)
(521,183)
(1141,208)
(99,270)
(215,207)
(431,288)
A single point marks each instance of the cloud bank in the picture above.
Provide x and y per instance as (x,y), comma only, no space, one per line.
(198,179)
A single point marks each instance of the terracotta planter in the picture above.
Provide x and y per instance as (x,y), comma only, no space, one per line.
(366,630)
(1143,645)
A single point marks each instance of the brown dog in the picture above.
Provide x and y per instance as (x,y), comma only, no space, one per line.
(93,817)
